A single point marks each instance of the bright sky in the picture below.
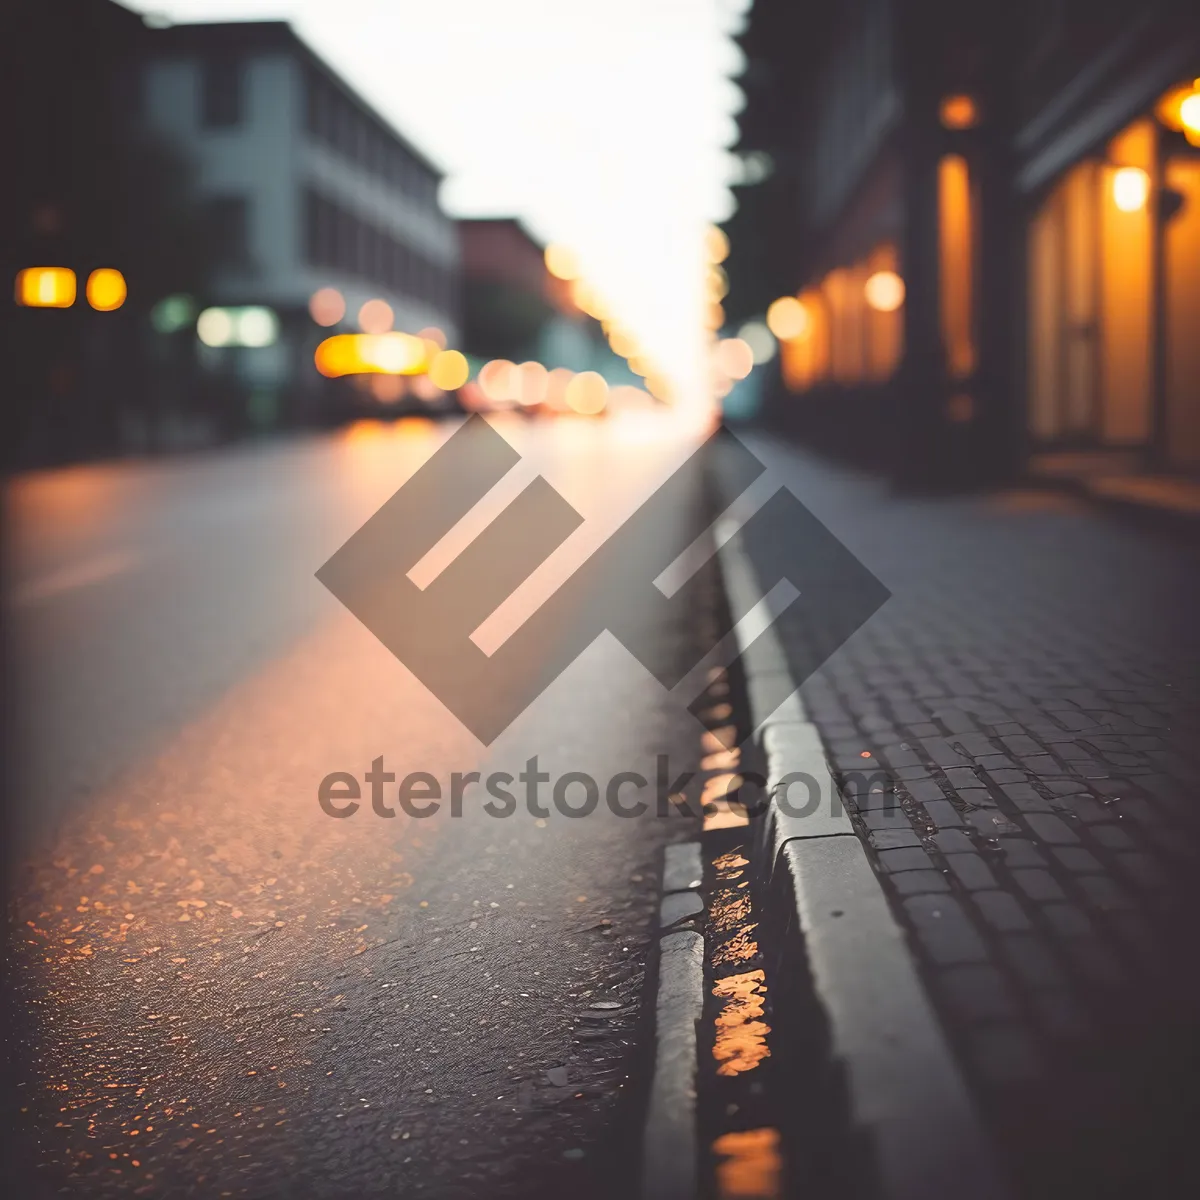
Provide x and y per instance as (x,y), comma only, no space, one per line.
(600,123)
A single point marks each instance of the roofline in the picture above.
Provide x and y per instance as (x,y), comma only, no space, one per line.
(279,35)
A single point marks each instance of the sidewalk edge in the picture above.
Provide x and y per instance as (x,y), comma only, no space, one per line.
(670,1145)
(906,1091)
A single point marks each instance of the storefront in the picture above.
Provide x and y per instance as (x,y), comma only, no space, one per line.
(1113,294)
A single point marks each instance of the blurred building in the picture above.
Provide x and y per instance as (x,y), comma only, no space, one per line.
(84,191)
(990,215)
(216,176)
(303,187)
(514,309)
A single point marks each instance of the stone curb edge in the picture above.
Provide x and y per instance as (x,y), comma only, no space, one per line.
(906,1093)
(670,1149)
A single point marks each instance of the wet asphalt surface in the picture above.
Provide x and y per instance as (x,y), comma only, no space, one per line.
(221,991)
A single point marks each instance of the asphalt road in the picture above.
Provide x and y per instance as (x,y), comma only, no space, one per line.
(222,991)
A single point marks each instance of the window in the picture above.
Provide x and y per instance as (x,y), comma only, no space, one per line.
(221,93)
(226,219)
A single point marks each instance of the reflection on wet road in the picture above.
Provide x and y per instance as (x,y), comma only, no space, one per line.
(222,987)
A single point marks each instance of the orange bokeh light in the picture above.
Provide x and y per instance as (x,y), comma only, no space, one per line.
(106,289)
(376,316)
(327,306)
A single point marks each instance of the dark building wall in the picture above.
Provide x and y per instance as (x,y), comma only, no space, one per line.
(850,103)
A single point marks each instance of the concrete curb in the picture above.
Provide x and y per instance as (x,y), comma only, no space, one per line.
(670,1149)
(906,1093)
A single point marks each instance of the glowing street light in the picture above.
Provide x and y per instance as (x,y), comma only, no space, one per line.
(884,291)
(787,318)
(587,393)
(959,112)
(449,370)
(46,287)
(106,290)
(1130,189)
(376,316)
(327,306)
(561,261)
(253,326)
(734,358)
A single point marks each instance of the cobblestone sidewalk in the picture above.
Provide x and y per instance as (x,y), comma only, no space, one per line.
(1026,713)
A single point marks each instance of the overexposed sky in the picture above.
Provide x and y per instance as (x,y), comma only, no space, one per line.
(600,123)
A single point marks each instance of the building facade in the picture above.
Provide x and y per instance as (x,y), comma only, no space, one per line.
(989,215)
(515,309)
(303,187)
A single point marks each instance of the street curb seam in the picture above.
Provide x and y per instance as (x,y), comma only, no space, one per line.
(905,1089)
(670,1145)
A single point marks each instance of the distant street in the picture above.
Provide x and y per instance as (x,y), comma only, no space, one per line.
(226,989)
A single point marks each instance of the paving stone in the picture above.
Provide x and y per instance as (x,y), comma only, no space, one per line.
(1113,837)
(1038,884)
(944,930)
(954,841)
(908,858)
(1077,859)
(942,813)
(971,871)
(1104,893)
(893,839)
(978,992)
(915,883)
(1067,920)
(1025,798)
(924,790)
(1001,911)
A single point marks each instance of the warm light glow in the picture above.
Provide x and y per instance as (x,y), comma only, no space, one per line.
(734,358)
(376,316)
(449,370)
(214,327)
(588,300)
(256,327)
(623,344)
(787,318)
(499,381)
(106,290)
(431,333)
(387,389)
(1189,117)
(587,393)
(370,354)
(956,254)
(716,244)
(1179,110)
(46,287)
(718,284)
(532,381)
(758,337)
(556,387)
(714,317)
(959,112)
(884,291)
(327,306)
(1130,189)
(561,261)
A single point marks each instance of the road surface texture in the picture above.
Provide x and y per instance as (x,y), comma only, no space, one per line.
(1018,729)
(221,990)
